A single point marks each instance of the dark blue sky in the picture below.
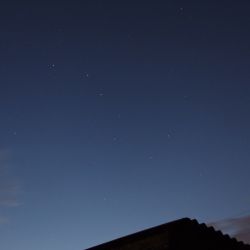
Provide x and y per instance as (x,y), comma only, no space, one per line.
(120,115)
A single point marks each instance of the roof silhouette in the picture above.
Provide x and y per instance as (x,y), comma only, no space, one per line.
(176,235)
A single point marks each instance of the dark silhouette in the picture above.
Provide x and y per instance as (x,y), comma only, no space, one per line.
(238,227)
(181,234)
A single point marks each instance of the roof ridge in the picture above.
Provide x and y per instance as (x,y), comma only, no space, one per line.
(219,234)
(189,229)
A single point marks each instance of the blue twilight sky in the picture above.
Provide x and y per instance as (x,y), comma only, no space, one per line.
(121,115)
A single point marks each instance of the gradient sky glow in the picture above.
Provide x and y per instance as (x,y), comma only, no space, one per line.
(121,115)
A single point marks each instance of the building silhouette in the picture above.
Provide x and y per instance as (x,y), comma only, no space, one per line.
(177,235)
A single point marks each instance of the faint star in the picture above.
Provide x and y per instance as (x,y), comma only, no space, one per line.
(181,10)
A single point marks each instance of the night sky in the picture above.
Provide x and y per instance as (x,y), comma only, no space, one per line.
(116,116)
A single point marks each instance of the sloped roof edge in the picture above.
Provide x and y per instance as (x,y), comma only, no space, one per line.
(184,223)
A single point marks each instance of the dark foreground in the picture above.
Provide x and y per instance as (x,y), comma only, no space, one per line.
(181,234)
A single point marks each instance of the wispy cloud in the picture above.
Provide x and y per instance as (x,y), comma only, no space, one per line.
(8,194)
(235,227)
(9,188)
(3,220)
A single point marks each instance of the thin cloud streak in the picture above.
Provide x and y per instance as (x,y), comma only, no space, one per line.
(3,220)
(9,188)
(9,191)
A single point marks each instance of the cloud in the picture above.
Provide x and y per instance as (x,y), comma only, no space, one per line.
(9,187)
(8,194)
(235,227)
(3,220)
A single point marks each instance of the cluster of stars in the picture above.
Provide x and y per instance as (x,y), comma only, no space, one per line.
(51,66)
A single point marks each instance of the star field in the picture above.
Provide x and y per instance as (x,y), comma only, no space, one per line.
(118,116)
